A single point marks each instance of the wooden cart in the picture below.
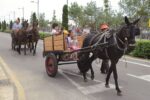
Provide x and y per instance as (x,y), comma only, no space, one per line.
(56,52)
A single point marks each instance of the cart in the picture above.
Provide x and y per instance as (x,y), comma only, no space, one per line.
(56,52)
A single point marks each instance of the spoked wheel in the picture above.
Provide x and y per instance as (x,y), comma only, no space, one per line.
(51,65)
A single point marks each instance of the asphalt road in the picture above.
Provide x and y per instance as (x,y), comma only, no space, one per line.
(134,77)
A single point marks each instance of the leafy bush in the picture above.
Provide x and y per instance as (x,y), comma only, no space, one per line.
(142,49)
(43,35)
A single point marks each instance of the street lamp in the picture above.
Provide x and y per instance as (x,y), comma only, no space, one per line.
(37,7)
(22,12)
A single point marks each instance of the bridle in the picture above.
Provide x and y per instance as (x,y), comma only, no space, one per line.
(124,43)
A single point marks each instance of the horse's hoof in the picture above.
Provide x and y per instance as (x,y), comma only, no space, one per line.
(85,80)
(107,86)
(119,93)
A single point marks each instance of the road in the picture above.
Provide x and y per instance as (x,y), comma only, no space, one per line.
(134,77)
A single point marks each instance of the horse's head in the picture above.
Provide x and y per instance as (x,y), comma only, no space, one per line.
(25,24)
(35,24)
(129,31)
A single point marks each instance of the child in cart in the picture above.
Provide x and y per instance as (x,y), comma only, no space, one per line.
(72,43)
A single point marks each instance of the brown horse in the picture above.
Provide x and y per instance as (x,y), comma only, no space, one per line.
(33,37)
(118,43)
(20,37)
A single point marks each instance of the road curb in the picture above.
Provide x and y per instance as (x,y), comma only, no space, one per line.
(136,58)
(17,87)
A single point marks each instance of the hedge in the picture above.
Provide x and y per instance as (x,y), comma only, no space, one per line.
(43,35)
(142,49)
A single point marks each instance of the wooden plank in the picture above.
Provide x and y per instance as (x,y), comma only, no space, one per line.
(48,38)
(58,43)
(58,47)
(48,46)
(58,37)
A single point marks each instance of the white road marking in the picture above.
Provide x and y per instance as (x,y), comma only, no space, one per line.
(74,83)
(95,88)
(88,89)
(142,77)
(135,63)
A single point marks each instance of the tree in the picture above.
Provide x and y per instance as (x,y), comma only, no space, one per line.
(42,22)
(90,13)
(107,6)
(76,13)
(33,17)
(0,25)
(54,17)
(136,8)
(4,25)
(65,17)
(75,10)
(10,25)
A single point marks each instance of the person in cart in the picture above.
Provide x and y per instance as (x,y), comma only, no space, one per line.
(72,41)
(16,26)
(72,44)
(55,29)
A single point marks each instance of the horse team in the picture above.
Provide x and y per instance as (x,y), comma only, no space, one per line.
(26,36)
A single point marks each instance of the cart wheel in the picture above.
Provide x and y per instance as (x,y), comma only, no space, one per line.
(51,65)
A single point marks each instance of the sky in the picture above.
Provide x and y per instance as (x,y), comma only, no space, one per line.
(8,7)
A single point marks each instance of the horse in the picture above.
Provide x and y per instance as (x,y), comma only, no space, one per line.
(34,37)
(117,43)
(21,37)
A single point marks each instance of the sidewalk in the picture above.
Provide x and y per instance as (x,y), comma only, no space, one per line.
(6,87)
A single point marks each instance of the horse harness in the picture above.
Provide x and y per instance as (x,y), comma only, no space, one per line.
(107,35)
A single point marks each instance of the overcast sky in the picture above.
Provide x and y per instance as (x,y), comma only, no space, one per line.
(8,7)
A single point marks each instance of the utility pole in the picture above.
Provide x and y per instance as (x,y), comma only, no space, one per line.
(14,15)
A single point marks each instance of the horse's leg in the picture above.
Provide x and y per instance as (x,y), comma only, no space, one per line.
(104,66)
(116,79)
(30,46)
(35,48)
(25,48)
(91,68)
(108,76)
(84,76)
(19,47)
(92,72)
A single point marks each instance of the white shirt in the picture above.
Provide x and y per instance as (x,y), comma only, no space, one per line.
(16,26)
